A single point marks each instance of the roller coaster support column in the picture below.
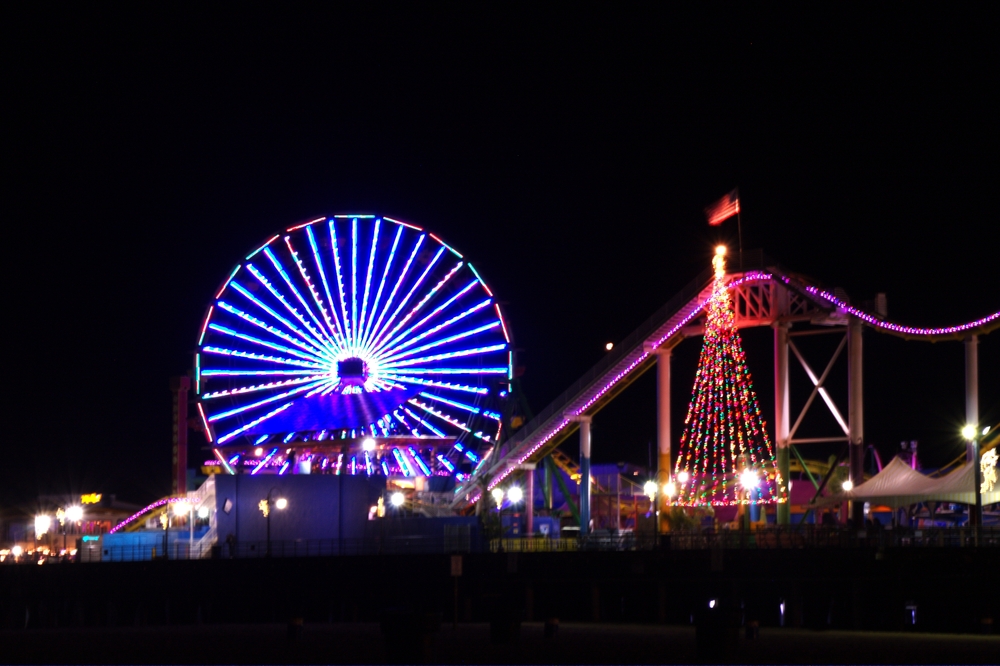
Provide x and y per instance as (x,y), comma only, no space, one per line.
(584,471)
(781,414)
(971,393)
(855,411)
(662,431)
(529,500)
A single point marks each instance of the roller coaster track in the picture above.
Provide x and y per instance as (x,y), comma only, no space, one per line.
(663,331)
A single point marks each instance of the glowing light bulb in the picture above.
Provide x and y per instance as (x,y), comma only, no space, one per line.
(969,432)
(609,346)
(368,444)
(74,513)
(650,489)
(670,488)
(683,477)
(42,524)
(847,485)
(258,452)
(748,479)
(720,250)
(181,508)
(497,495)
(280,503)
(397,499)
(514,494)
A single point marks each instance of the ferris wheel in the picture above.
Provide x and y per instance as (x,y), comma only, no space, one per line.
(367,344)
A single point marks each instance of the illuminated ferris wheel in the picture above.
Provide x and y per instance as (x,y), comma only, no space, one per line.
(365,344)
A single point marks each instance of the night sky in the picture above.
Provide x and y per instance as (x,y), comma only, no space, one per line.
(567,152)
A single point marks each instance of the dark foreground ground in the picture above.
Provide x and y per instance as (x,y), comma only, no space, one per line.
(574,643)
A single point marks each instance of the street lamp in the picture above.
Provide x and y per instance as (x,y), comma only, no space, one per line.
(970,432)
(42,525)
(265,505)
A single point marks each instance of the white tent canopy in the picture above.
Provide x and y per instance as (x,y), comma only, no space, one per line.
(899,485)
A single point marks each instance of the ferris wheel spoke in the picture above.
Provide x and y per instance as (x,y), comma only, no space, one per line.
(424,423)
(423,301)
(409,294)
(266,401)
(264,343)
(409,372)
(368,283)
(319,346)
(255,422)
(451,420)
(419,381)
(405,340)
(260,387)
(378,295)
(223,351)
(441,341)
(329,313)
(254,373)
(304,344)
(348,331)
(316,335)
(406,425)
(395,288)
(323,324)
(354,281)
(453,354)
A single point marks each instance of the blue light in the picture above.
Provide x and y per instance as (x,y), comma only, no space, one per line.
(270,329)
(441,341)
(445,385)
(445,371)
(288,438)
(320,333)
(404,466)
(261,357)
(447,463)
(455,354)
(239,410)
(263,463)
(419,461)
(453,403)
(416,308)
(253,423)
(378,295)
(395,288)
(261,439)
(368,464)
(326,286)
(407,298)
(316,335)
(284,468)
(426,424)
(340,283)
(476,273)
(252,254)
(289,325)
(368,284)
(354,280)
(264,343)
(232,461)
(441,326)
(385,468)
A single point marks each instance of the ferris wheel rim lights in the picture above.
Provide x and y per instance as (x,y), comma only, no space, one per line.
(385,310)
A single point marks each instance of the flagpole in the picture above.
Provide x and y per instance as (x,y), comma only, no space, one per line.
(739,227)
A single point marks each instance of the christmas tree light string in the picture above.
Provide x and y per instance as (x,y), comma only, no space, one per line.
(725,456)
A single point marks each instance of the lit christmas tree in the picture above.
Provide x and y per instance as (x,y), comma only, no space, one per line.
(725,455)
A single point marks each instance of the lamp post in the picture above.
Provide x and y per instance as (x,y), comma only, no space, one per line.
(515,495)
(970,432)
(265,507)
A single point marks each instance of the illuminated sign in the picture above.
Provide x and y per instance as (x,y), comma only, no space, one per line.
(91,498)
(91,538)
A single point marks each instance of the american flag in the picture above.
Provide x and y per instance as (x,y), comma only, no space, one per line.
(723,209)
